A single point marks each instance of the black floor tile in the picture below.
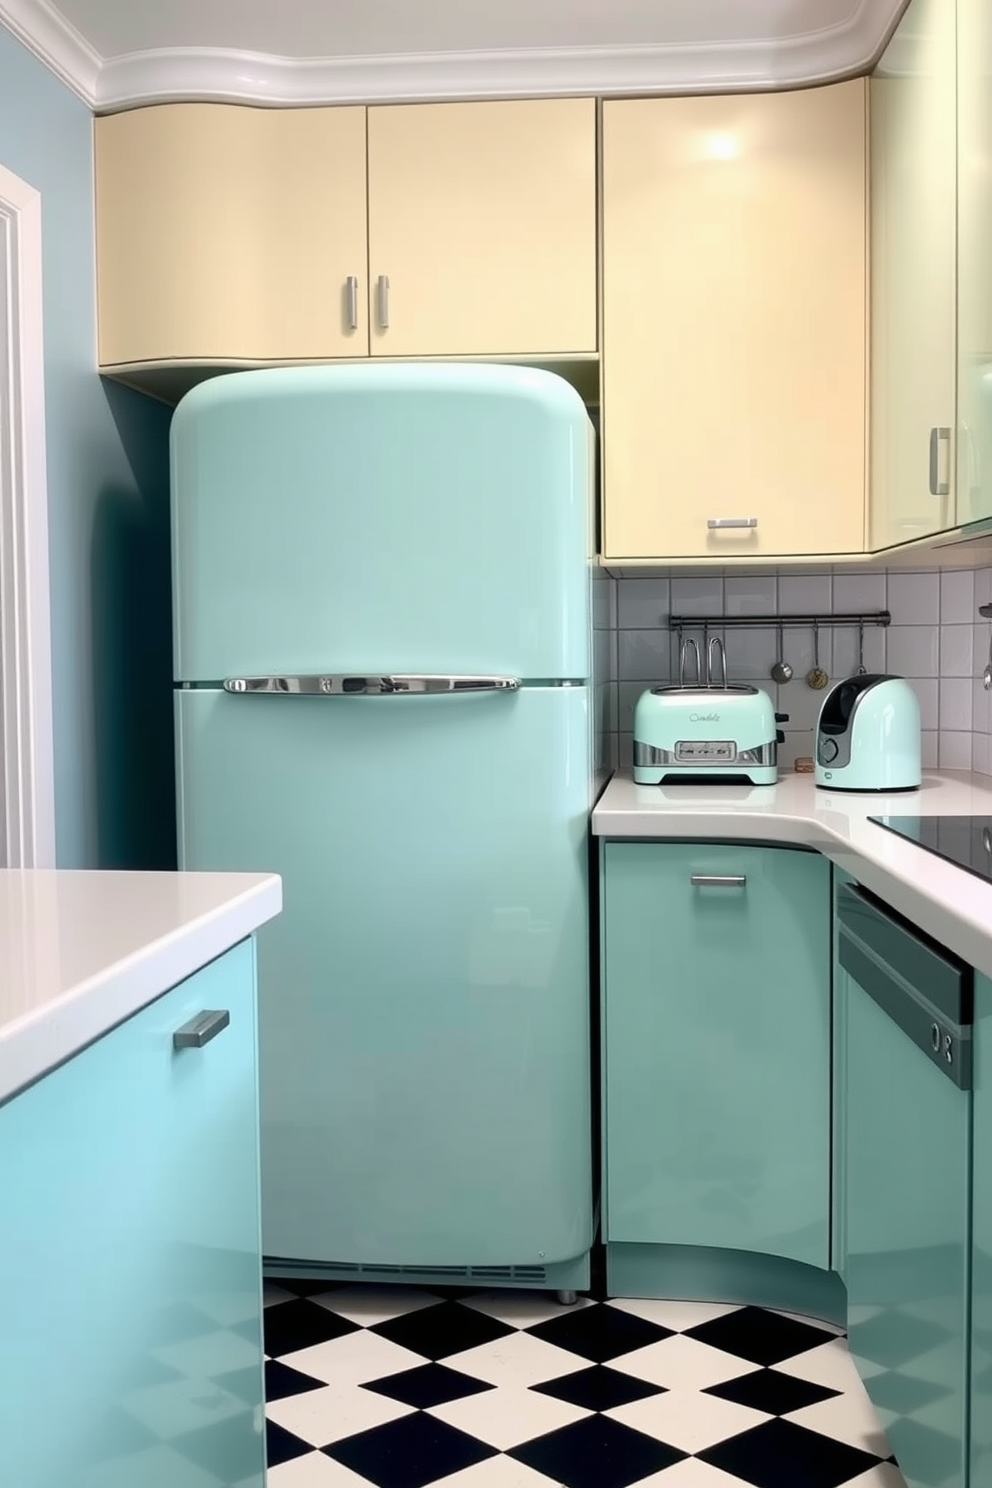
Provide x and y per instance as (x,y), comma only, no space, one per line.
(281,1381)
(300,1324)
(596,1453)
(448,1328)
(282,1446)
(780,1454)
(771,1391)
(409,1453)
(431,1384)
(599,1388)
(760,1337)
(599,1332)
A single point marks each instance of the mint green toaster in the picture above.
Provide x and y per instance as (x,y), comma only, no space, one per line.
(868,736)
(686,735)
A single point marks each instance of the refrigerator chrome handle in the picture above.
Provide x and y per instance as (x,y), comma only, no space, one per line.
(346,684)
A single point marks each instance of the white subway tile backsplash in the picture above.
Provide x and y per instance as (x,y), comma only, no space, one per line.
(625,751)
(860,591)
(644,654)
(750,654)
(981,707)
(956,650)
(846,650)
(801,703)
(927,690)
(604,602)
(956,703)
(750,596)
(914,598)
(954,751)
(628,693)
(805,594)
(983,587)
(981,753)
(643,603)
(957,598)
(697,596)
(928,749)
(913,650)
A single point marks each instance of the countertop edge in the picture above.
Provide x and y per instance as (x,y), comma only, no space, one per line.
(945,901)
(35,1044)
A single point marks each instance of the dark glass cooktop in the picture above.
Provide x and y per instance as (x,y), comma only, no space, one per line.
(964,840)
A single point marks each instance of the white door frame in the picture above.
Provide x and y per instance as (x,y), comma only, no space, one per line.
(27,777)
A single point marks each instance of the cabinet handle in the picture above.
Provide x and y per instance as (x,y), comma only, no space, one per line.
(732,522)
(382,290)
(201,1029)
(718,880)
(352,284)
(939,436)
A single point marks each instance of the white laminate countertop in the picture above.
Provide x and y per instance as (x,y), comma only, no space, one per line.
(949,903)
(81,951)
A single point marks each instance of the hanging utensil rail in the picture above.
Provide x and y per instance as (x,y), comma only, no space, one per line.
(735,622)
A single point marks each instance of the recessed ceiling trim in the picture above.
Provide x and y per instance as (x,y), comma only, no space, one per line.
(246,77)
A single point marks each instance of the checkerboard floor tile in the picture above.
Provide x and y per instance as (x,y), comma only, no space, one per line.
(379,1387)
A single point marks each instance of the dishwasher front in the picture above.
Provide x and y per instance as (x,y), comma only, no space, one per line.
(907,1012)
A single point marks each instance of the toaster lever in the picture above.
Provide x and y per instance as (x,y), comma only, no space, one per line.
(781,717)
(779,736)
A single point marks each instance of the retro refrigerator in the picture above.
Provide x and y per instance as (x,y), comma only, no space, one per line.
(382,666)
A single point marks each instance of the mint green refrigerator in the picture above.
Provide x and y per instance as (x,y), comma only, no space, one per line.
(381,584)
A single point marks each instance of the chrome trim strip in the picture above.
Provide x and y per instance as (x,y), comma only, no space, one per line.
(650,756)
(345,684)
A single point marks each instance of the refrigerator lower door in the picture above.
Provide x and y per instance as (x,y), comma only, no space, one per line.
(424,998)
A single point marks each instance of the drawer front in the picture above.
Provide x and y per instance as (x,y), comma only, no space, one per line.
(129,1218)
(717,1047)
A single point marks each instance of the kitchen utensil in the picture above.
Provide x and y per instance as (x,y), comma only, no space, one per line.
(862,669)
(781,670)
(987,674)
(816,677)
(868,736)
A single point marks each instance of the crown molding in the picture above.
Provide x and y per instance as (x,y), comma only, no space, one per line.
(44,30)
(202,73)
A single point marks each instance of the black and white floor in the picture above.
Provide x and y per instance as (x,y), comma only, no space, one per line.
(401,1388)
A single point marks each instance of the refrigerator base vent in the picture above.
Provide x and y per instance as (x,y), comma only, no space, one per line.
(515,1276)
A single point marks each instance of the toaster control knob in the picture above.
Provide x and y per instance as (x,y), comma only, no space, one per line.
(828,751)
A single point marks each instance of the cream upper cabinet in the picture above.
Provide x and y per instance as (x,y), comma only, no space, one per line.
(974,472)
(913,124)
(482,227)
(734,332)
(230,232)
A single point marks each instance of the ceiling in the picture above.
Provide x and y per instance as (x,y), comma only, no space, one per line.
(297,51)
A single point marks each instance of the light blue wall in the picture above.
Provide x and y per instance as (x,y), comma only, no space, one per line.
(108,512)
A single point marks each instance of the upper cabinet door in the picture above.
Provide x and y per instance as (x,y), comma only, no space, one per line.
(734,324)
(230,232)
(482,228)
(912,107)
(974,483)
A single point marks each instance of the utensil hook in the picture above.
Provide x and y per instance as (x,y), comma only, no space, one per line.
(862,670)
(716,644)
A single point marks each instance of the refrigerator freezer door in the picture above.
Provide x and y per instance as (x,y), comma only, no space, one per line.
(424,998)
(391,518)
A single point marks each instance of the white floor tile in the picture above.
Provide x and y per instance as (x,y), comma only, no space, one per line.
(688,1419)
(368,1305)
(848,1418)
(505,1418)
(496,1472)
(682,1363)
(516,1361)
(828,1364)
(690,1474)
(314,1471)
(209,1355)
(271,1294)
(883,1476)
(522,1309)
(679,1316)
(329,1415)
(353,1360)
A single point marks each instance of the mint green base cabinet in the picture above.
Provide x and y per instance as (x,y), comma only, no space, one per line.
(716,1003)
(981,1249)
(130,1308)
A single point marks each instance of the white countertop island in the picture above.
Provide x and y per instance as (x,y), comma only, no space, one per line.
(947,902)
(81,951)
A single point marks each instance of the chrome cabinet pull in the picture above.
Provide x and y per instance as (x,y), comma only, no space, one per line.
(400,684)
(382,291)
(732,522)
(718,880)
(352,290)
(201,1029)
(938,436)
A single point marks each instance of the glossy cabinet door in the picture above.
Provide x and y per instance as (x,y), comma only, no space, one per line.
(913,245)
(482,217)
(981,1242)
(734,324)
(974,487)
(130,1273)
(717,1047)
(226,232)
(907,1183)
